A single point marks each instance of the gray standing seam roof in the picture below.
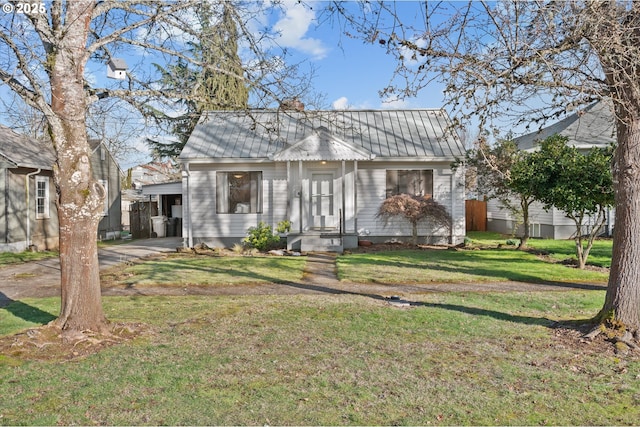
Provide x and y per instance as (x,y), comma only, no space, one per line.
(25,152)
(386,134)
(586,128)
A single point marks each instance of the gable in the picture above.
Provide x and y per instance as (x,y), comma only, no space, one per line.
(589,127)
(409,134)
(322,145)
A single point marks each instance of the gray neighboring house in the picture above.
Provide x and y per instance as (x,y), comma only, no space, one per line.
(326,172)
(592,126)
(28,214)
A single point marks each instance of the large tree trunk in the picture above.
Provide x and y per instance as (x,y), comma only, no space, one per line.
(622,302)
(80,197)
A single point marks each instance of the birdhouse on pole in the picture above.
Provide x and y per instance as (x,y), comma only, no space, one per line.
(117,69)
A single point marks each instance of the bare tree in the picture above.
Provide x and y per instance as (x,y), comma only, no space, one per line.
(528,62)
(414,209)
(46,57)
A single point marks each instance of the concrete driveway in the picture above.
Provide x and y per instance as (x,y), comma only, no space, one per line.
(42,278)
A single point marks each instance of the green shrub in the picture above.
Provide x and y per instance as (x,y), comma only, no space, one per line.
(513,242)
(284,226)
(261,237)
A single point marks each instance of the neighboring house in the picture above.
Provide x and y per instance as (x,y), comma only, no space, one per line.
(28,215)
(590,127)
(153,173)
(158,185)
(327,172)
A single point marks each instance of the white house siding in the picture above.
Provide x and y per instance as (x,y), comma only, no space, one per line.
(551,224)
(371,193)
(224,229)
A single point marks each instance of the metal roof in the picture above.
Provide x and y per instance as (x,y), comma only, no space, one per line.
(26,152)
(592,126)
(323,135)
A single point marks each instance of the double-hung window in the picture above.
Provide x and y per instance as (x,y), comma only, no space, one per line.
(42,197)
(412,182)
(238,192)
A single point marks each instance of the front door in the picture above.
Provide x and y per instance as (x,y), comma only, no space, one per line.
(322,207)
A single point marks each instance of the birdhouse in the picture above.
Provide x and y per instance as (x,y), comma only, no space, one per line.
(117,69)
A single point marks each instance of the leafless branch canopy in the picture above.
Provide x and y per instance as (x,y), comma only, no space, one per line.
(517,60)
(145,32)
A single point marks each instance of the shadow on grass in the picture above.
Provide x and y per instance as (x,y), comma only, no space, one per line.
(451,262)
(317,283)
(24,311)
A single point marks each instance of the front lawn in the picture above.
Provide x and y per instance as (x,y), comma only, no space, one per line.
(459,266)
(7,258)
(457,359)
(183,269)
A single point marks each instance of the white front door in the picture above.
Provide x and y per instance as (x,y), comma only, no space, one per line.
(322,206)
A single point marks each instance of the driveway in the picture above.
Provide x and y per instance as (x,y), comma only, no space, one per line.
(42,278)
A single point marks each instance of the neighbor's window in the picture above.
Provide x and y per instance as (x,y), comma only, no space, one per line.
(42,197)
(238,192)
(413,182)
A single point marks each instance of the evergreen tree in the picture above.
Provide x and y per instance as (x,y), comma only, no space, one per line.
(218,84)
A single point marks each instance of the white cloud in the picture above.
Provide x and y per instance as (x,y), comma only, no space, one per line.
(293,26)
(341,103)
(395,104)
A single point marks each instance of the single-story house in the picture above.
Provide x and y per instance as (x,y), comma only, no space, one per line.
(326,172)
(28,215)
(592,126)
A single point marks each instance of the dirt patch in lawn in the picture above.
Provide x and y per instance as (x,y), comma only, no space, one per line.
(50,343)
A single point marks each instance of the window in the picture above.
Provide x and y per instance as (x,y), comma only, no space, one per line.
(105,185)
(413,182)
(42,197)
(238,192)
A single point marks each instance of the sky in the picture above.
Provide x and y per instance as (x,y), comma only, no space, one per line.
(350,72)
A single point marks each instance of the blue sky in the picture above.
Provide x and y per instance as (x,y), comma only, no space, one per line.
(348,71)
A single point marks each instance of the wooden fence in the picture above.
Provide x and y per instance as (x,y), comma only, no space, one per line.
(476,213)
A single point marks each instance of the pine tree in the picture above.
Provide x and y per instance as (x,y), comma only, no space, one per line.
(217,85)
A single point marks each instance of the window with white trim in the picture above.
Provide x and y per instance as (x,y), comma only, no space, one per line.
(42,197)
(412,182)
(239,192)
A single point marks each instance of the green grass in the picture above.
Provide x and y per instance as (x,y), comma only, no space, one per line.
(465,266)
(201,270)
(560,250)
(488,359)
(7,258)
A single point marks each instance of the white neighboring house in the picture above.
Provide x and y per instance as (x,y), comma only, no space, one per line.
(590,127)
(327,172)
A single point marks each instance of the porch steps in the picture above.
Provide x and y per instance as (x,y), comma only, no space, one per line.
(316,242)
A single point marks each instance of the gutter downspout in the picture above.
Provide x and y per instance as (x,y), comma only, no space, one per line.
(26,185)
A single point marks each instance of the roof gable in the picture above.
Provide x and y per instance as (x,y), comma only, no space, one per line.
(589,127)
(271,134)
(322,145)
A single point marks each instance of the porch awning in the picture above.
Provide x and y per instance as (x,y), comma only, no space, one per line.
(322,145)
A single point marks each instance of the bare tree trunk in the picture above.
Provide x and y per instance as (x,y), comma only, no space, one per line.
(524,240)
(80,197)
(623,292)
